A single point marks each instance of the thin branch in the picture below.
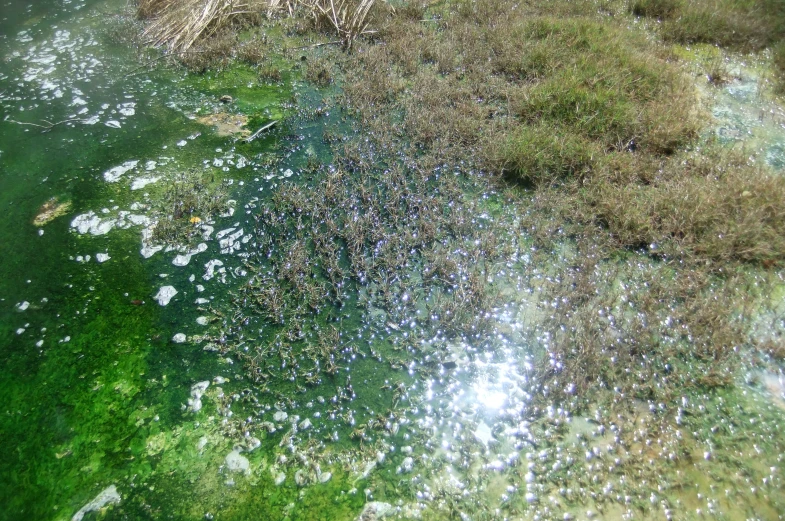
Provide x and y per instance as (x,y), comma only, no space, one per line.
(258,132)
(315,45)
(48,124)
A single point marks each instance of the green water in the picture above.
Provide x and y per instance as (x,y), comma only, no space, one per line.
(88,375)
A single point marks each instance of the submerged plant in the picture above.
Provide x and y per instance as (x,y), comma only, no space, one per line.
(190,200)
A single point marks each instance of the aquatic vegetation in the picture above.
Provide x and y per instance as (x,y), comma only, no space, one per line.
(189,199)
(465,276)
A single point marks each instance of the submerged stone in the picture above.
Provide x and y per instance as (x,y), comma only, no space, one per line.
(178,338)
(236,462)
(165,294)
(226,124)
(107,496)
(375,510)
(197,391)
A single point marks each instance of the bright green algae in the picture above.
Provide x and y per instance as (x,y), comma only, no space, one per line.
(105,378)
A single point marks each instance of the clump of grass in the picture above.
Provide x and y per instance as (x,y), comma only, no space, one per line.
(592,90)
(745,25)
(663,9)
(319,72)
(190,199)
(214,52)
(716,206)
(542,154)
(349,19)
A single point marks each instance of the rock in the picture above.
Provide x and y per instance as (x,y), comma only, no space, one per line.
(202,321)
(107,496)
(375,510)
(197,391)
(22,306)
(165,294)
(236,462)
(225,99)
(280,478)
(301,478)
(305,424)
(406,465)
(324,477)
(102,257)
(280,416)
(178,338)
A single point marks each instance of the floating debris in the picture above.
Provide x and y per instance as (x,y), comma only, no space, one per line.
(51,210)
(226,124)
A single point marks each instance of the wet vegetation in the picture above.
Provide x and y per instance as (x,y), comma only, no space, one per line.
(499,270)
(188,200)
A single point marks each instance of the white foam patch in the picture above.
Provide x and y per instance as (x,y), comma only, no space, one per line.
(165,294)
(210,268)
(113,174)
(141,182)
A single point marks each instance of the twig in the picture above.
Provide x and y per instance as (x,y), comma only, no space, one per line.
(48,126)
(256,134)
(315,45)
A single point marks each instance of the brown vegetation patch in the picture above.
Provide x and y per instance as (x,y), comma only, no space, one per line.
(226,124)
(51,210)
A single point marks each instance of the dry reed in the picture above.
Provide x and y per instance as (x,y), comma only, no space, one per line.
(179,24)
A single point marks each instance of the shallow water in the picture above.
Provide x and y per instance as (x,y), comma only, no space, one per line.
(100,391)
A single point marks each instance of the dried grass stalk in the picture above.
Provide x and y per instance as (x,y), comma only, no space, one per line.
(348,18)
(178,24)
